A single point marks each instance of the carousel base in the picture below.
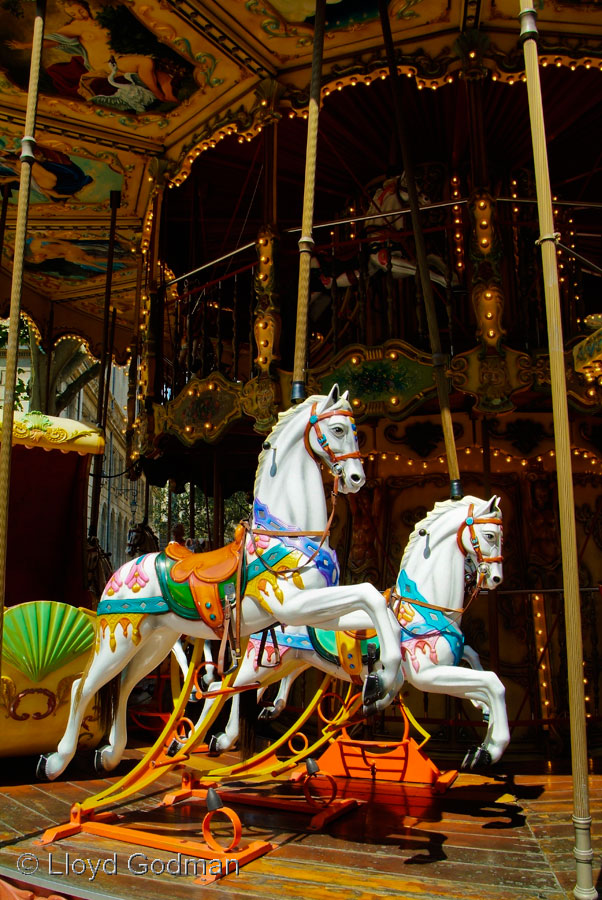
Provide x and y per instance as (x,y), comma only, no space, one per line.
(399,761)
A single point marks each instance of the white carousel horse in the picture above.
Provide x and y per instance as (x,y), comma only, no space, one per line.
(392,197)
(428,598)
(291,576)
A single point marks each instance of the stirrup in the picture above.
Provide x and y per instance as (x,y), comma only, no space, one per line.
(262,643)
(234,659)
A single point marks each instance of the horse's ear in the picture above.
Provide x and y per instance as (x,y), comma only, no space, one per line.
(331,400)
(494,504)
(345,396)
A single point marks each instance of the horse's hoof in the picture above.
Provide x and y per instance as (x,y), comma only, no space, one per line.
(98,763)
(174,748)
(214,743)
(372,692)
(41,768)
(272,712)
(206,682)
(476,758)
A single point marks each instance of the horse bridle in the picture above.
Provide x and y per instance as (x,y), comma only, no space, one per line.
(314,422)
(483,563)
(337,470)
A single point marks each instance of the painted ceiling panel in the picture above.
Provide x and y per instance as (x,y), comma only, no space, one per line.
(135,91)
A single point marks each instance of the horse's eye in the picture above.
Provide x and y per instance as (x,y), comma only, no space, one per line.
(338,430)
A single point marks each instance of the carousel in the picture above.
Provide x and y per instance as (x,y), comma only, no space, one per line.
(350,254)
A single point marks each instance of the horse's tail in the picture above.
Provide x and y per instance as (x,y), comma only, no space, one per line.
(248,714)
(106,702)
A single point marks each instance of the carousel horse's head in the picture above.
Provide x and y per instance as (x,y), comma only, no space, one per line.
(141,539)
(479,537)
(331,438)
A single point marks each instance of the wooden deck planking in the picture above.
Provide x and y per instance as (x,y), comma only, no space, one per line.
(485,839)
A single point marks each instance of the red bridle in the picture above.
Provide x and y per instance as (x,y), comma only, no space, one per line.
(314,422)
(469,523)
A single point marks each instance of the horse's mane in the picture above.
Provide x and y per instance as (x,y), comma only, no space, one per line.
(283,419)
(440,508)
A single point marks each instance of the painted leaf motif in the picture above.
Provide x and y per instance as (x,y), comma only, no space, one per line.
(43,636)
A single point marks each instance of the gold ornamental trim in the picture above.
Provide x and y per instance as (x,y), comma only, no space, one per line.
(35,429)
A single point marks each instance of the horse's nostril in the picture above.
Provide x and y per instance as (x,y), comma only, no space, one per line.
(496,579)
(355,477)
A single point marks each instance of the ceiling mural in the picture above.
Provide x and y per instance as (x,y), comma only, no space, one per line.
(58,177)
(132,93)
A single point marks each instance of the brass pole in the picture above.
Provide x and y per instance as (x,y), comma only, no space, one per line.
(306,241)
(12,349)
(6,191)
(439,360)
(584,889)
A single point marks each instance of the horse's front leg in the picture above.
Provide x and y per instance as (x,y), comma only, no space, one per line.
(479,686)
(472,658)
(347,607)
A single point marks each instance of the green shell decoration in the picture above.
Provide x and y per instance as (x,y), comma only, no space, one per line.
(43,636)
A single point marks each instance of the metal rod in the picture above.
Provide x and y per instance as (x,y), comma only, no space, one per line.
(439,361)
(12,349)
(444,204)
(306,241)
(105,402)
(115,200)
(213,262)
(584,889)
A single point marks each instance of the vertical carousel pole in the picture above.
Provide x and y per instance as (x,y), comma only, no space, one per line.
(306,240)
(439,361)
(115,200)
(12,350)
(5,198)
(584,889)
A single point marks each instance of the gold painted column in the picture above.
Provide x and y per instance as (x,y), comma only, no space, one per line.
(584,889)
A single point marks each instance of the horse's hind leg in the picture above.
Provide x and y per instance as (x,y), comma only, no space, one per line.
(281,699)
(154,652)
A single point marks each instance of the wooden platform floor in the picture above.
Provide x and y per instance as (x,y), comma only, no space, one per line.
(503,837)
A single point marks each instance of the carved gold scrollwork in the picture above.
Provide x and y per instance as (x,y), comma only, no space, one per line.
(50,704)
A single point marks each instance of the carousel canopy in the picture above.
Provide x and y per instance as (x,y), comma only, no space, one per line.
(139,96)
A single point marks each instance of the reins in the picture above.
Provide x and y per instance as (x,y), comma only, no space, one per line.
(337,471)
(396,599)
(313,422)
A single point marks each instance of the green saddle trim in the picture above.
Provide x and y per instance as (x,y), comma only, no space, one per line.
(178,594)
(325,645)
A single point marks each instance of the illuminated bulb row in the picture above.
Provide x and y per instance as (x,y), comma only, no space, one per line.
(543,656)
(468,451)
(458,233)
(208,144)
